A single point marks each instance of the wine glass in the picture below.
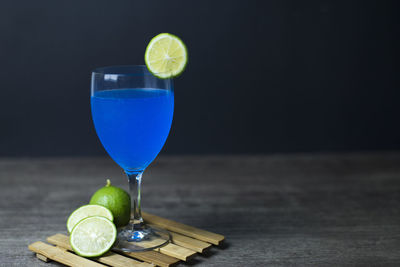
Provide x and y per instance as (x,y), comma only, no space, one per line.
(132,112)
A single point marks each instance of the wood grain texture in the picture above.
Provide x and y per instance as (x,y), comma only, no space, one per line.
(299,210)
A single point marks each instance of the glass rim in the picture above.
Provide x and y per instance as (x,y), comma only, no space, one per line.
(127,70)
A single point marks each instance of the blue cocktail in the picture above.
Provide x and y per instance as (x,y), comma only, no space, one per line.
(132,112)
(133,123)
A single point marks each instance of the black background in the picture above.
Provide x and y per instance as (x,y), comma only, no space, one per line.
(263,76)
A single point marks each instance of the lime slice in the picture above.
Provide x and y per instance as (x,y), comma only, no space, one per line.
(166,56)
(87,211)
(93,236)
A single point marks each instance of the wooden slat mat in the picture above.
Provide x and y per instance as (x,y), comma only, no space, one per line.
(187,241)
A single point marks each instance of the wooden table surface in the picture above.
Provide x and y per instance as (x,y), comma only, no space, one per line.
(319,210)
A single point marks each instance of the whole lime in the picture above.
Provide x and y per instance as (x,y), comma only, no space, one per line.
(116,200)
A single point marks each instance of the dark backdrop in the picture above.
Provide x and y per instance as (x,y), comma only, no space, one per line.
(263,76)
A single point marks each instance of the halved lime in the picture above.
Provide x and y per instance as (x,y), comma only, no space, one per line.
(166,56)
(93,236)
(87,211)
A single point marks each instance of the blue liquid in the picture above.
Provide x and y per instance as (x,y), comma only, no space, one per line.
(133,124)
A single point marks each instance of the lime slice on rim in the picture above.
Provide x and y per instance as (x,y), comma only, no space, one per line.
(93,236)
(166,56)
(87,211)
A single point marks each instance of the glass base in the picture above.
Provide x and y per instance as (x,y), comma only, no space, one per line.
(143,238)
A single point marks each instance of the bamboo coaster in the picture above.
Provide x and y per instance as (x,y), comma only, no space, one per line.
(186,242)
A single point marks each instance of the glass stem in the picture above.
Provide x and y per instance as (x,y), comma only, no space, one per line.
(135,180)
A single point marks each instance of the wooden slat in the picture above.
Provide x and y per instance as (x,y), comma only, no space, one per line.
(153,257)
(177,252)
(190,243)
(110,258)
(183,229)
(61,256)
(42,258)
